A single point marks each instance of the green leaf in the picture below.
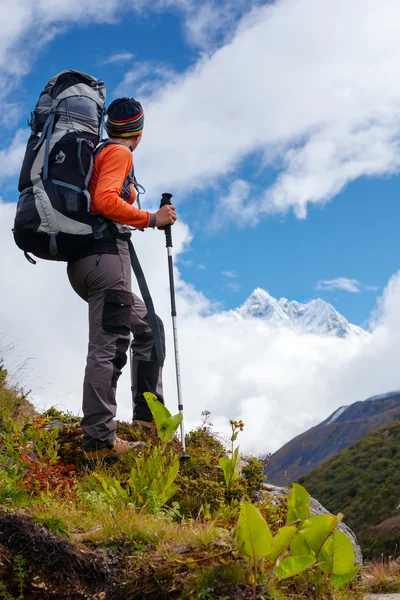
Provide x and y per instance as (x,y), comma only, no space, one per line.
(342,554)
(339,580)
(317,529)
(102,482)
(159,411)
(230,467)
(299,546)
(166,423)
(298,504)
(293,566)
(168,429)
(121,491)
(226,465)
(234,436)
(325,556)
(253,536)
(172,473)
(282,539)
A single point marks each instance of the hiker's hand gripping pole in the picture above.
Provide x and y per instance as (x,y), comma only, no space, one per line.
(166,199)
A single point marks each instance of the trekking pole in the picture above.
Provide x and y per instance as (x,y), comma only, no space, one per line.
(166,199)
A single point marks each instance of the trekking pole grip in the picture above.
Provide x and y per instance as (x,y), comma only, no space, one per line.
(166,199)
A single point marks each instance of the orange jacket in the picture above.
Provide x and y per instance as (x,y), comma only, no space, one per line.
(111,168)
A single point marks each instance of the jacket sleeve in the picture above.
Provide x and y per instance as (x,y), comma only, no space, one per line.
(113,167)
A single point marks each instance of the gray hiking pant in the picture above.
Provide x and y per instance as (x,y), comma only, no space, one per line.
(104,282)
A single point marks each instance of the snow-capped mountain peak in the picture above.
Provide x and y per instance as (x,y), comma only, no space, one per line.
(317,316)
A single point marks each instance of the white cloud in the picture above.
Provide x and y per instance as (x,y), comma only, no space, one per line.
(11,157)
(230,274)
(233,286)
(309,87)
(344,283)
(212,23)
(279,383)
(18,47)
(145,78)
(234,207)
(340,283)
(48,18)
(118,58)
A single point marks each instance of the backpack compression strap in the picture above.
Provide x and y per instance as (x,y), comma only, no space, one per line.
(151,314)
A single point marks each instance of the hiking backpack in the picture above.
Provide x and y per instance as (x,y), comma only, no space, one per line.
(53,217)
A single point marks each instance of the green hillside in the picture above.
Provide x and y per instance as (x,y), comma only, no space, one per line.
(363,482)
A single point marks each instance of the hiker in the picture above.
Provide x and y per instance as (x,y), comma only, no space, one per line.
(101,275)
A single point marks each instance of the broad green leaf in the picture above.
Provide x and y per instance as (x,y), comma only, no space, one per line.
(282,539)
(317,529)
(158,410)
(166,423)
(342,554)
(339,580)
(325,556)
(298,504)
(299,546)
(293,566)
(169,427)
(253,536)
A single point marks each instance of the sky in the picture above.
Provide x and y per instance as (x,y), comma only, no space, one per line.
(275,125)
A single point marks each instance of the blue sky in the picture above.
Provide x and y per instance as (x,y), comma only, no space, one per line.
(353,236)
(276,127)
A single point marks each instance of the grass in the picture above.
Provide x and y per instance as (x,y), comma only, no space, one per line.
(79,532)
(382,576)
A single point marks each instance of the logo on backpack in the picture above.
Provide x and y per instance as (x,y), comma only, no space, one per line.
(60,157)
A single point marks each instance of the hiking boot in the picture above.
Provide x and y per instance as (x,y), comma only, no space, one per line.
(113,451)
(144,426)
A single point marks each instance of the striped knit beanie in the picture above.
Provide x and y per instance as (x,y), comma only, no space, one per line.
(125,118)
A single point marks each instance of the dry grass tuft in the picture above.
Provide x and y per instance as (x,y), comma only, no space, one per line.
(382,576)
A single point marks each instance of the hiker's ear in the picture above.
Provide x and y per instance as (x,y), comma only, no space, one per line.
(134,142)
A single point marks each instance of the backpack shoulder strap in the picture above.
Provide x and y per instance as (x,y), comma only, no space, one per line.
(131,175)
(103,144)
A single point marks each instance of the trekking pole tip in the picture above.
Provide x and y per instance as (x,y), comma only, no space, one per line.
(184,456)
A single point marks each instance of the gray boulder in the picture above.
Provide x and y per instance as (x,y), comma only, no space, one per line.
(278,494)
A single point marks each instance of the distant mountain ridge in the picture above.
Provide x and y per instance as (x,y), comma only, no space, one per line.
(346,426)
(363,482)
(317,316)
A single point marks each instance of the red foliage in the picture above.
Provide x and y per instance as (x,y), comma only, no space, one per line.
(50,479)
